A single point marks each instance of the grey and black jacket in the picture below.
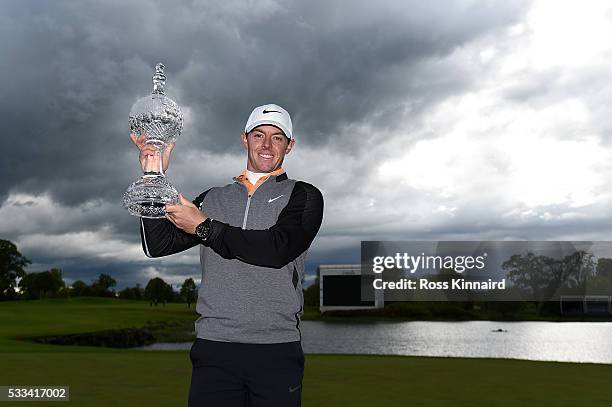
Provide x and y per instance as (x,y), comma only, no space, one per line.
(253,261)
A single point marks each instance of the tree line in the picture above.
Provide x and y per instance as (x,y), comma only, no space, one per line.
(16,283)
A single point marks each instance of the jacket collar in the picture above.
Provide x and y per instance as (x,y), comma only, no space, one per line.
(244,180)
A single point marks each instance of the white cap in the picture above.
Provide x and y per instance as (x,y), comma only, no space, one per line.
(270,114)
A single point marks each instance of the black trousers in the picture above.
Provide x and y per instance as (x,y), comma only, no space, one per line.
(227,374)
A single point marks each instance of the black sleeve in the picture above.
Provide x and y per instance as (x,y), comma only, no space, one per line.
(294,231)
(161,238)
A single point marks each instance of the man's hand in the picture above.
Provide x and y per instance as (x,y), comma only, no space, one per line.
(149,154)
(185,215)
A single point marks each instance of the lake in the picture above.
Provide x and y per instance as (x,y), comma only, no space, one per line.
(551,341)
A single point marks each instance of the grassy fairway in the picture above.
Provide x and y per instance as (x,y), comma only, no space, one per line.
(77,315)
(102,377)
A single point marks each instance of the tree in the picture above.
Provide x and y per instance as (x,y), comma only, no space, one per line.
(542,276)
(132,293)
(530,273)
(157,290)
(189,291)
(43,284)
(101,286)
(79,289)
(604,268)
(577,268)
(312,294)
(12,265)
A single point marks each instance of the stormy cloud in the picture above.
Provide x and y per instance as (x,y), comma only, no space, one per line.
(428,120)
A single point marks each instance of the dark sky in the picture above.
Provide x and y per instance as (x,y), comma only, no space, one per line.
(417,120)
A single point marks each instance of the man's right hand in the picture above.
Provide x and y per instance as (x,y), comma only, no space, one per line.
(149,154)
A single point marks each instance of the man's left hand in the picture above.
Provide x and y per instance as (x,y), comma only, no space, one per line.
(185,215)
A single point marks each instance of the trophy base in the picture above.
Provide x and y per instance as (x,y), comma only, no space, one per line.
(148,196)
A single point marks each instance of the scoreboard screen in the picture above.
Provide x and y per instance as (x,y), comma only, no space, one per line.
(343,290)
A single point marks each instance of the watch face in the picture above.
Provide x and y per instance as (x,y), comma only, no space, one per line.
(202,230)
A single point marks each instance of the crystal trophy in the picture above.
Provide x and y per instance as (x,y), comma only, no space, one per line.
(160,119)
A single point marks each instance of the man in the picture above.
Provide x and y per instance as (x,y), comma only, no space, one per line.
(253,236)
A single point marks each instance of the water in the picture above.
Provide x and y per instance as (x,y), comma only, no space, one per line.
(551,341)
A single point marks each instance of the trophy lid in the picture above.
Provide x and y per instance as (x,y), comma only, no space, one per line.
(156,115)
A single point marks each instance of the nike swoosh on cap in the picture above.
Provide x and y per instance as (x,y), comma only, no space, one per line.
(270,111)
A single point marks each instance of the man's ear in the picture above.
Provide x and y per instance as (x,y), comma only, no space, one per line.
(243,137)
(290,146)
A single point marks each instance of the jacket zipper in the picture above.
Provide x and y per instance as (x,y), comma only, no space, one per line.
(246,212)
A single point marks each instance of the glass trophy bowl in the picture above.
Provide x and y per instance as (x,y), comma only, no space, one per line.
(160,119)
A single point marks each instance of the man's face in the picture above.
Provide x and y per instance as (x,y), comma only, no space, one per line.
(266,148)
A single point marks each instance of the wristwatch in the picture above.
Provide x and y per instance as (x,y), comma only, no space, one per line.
(203,229)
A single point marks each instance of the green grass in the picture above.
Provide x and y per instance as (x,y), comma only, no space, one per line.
(102,377)
(162,379)
(78,315)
